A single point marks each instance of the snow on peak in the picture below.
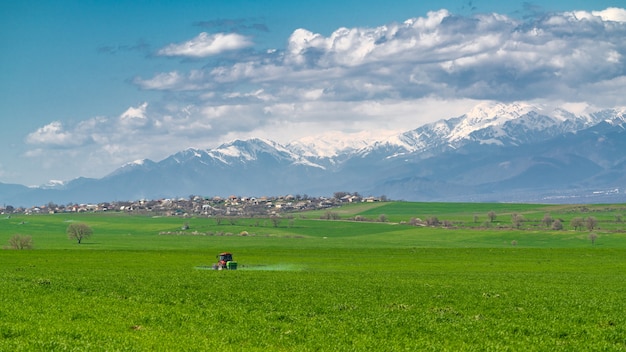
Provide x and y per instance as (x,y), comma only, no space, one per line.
(489,114)
(490,110)
(248,150)
(138,162)
(487,123)
(333,143)
(52,184)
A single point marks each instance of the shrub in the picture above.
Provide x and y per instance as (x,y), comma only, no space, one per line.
(557,225)
(19,242)
(432,221)
(415,221)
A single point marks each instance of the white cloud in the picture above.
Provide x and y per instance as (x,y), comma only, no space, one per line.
(486,56)
(54,134)
(611,14)
(207,45)
(135,113)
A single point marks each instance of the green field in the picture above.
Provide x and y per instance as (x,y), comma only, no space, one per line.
(140,282)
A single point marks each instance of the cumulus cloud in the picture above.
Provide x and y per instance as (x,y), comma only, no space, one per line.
(484,56)
(135,113)
(206,44)
(54,134)
(610,14)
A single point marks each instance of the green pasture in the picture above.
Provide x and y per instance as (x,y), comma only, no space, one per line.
(140,282)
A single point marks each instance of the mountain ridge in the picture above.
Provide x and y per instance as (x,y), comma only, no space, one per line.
(496,151)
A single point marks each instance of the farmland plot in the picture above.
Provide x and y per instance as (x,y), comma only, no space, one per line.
(418,299)
(311,285)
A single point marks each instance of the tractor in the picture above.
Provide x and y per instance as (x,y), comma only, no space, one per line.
(225,262)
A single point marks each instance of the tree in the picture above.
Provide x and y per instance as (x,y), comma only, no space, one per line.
(491,215)
(577,223)
(432,221)
(517,220)
(339,195)
(20,242)
(79,231)
(547,220)
(557,225)
(329,215)
(591,223)
(275,220)
(593,237)
(382,218)
(415,221)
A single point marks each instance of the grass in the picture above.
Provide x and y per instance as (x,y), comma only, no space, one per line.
(315,285)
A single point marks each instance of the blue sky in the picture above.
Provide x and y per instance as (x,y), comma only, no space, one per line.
(90,85)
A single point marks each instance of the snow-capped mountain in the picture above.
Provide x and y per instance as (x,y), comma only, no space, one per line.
(490,123)
(335,143)
(496,151)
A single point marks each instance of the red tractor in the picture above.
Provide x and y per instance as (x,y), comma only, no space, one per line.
(225,262)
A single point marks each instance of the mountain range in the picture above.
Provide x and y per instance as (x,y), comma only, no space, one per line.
(515,152)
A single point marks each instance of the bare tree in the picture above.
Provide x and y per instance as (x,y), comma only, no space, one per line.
(79,231)
(593,237)
(517,220)
(591,223)
(415,221)
(339,195)
(382,218)
(432,221)
(547,220)
(20,242)
(491,215)
(557,225)
(577,223)
(275,220)
(330,215)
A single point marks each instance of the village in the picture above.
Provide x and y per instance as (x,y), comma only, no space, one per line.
(194,205)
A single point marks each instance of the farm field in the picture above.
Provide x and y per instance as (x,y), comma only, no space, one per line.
(306,284)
